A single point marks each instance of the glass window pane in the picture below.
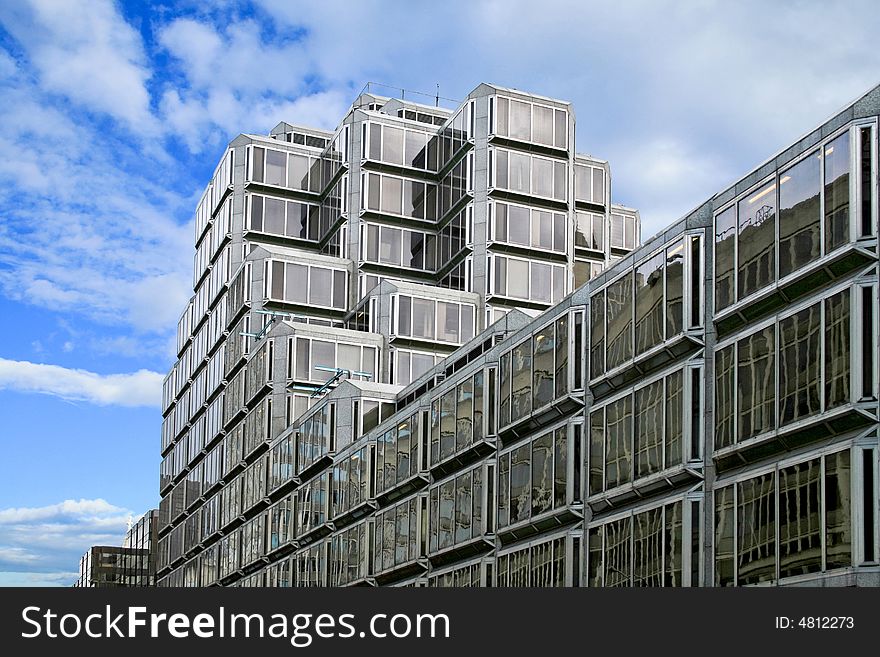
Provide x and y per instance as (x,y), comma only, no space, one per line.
(392,139)
(543,125)
(521,379)
(599,232)
(518,225)
(559,231)
(256,215)
(374,187)
(348,357)
(560,467)
(674,289)
(392,195)
(675,418)
(618,442)
(542,230)
(620,321)
(583,230)
(756,387)
(276,167)
(583,182)
(339,288)
(542,177)
(799,384)
(544,349)
(837,350)
(724,545)
(837,193)
(597,453)
(756,260)
(725,240)
(560,181)
(542,474)
(467,322)
(258,164)
(375,152)
(447,322)
(648,548)
(303,360)
(649,303)
(323,355)
(561,341)
(520,484)
(504,385)
(838,517)
(673,545)
(389,245)
(447,424)
(297,220)
(501,169)
(799,215)
(298,171)
(618,559)
(598,186)
(320,286)
(501,116)
(517,278)
(297,278)
(464,421)
(800,519)
(447,513)
(503,490)
(597,335)
(277,279)
(416,144)
(561,136)
(541,284)
(423,318)
(464,507)
(404,315)
(649,429)
(724,397)
(273,216)
(756,530)
(518,179)
(520,120)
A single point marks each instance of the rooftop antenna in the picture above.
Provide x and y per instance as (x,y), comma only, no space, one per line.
(437,97)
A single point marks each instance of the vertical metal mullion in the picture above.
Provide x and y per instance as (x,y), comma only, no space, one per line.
(663,545)
(776,514)
(735,487)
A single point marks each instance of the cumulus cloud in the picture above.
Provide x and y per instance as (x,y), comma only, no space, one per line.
(87,52)
(89,226)
(141,388)
(41,546)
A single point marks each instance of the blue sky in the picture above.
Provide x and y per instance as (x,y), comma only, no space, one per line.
(113,116)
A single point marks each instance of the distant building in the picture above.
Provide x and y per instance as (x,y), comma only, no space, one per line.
(133,564)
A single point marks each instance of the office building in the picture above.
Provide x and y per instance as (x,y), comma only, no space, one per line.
(699,410)
(133,564)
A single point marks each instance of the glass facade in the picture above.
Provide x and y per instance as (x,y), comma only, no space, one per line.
(701,412)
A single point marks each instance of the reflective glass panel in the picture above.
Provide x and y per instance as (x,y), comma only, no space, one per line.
(800,241)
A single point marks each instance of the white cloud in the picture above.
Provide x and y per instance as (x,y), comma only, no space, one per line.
(37,579)
(90,223)
(141,388)
(239,81)
(673,179)
(86,51)
(41,546)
